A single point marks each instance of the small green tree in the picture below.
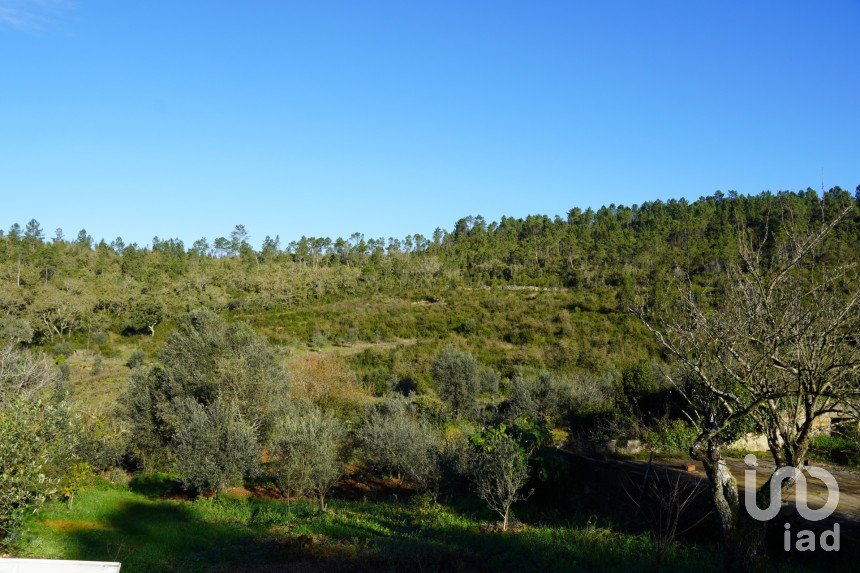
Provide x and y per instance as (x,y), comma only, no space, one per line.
(77,476)
(308,458)
(499,471)
(458,380)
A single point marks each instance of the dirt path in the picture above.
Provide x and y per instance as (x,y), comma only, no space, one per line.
(848,479)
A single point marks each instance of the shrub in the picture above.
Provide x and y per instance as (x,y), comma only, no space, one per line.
(378,380)
(393,441)
(458,380)
(142,316)
(468,327)
(101,441)
(36,437)
(639,389)
(213,447)
(136,359)
(15,330)
(97,366)
(77,476)
(307,452)
(28,459)
(542,396)
(62,349)
(842,449)
(671,435)
(490,382)
(318,339)
(352,335)
(458,456)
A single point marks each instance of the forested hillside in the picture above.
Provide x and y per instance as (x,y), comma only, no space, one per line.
(470,365)
(60,287)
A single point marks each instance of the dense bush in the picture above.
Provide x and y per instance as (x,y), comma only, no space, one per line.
(395,442)
(101,440)
(841,448)
(98,366)
(15,330)
(639,391)
(142,316)
(25,459)
(37,440)
(458,380)
(207,358)
(671,435)
(550,397)
(213,448)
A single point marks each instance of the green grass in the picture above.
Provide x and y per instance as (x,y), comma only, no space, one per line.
(146,533)
(836,449)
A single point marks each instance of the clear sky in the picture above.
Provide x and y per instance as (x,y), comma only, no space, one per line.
(183,118)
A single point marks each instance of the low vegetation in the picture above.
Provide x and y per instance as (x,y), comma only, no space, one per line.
(227,533)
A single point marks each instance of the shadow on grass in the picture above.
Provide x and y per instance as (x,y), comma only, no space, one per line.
(156,485)
(165,536)
(232,534)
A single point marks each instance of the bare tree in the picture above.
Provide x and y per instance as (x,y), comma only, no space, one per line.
(663,500)
(775,345)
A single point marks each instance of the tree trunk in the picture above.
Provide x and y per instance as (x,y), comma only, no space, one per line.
(505,520)
(724,493)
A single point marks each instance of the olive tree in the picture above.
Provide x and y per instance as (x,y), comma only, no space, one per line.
(542,396)
(214,448)
(15,330)
(393,440)
(458,380)
(308,452)
(215,364)
(500,470)
(143,316)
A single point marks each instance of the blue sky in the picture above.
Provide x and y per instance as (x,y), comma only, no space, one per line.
(181,119)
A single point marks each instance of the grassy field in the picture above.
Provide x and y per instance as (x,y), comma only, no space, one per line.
(147,532)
